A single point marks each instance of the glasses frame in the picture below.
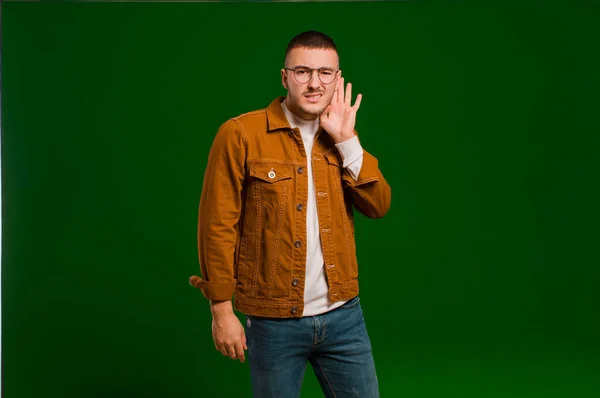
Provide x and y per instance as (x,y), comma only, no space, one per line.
(312,73)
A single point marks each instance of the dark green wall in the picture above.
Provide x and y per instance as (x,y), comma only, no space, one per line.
(482,281)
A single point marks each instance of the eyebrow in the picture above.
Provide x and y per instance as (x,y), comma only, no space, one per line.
(304,66)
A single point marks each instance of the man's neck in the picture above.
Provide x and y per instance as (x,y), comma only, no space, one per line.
(298,121)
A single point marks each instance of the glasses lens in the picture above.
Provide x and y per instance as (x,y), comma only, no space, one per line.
(303,75)
(327,75)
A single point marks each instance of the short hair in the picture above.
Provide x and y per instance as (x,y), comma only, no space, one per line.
(311,39)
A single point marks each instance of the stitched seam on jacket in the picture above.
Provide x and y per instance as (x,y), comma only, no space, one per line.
(294,143)
(338,185)
(367,180)
(244,255)
(244,137)
(245,141)
(277,236)
(256,238)
(347,220)
(340,190)
(363,198)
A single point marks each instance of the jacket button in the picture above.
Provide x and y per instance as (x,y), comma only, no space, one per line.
(294,310)
(297,243)
(295,282)
(300,170)
(299,207)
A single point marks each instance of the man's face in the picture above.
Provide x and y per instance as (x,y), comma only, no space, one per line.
(308,100)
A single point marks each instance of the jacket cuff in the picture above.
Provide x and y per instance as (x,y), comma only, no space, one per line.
(369,172)
(350,151)
(217,291)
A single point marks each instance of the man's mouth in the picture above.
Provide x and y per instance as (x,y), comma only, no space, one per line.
(313,97)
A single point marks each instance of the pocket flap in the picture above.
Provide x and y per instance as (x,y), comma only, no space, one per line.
(270,172)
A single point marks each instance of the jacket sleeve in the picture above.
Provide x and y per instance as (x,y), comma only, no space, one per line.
(371,194)
(219,212)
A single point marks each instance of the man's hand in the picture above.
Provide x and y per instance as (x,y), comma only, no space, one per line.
(339,117)
(228,331)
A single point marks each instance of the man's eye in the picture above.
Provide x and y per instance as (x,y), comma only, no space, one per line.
(301,71)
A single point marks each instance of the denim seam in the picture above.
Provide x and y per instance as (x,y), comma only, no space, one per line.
(315,333)
(326,379)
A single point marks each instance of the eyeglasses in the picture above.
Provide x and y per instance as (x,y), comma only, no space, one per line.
(304,74)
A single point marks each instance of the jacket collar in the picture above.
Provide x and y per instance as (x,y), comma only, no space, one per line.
(276,119)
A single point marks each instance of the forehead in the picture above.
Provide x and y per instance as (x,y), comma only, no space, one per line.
(312,57)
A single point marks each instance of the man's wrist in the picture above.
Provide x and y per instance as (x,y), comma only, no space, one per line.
(220,308)
(344,138)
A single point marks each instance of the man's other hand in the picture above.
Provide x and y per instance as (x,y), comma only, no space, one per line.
(228,331)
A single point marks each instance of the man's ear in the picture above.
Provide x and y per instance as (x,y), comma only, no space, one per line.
(283,79)
(337,79)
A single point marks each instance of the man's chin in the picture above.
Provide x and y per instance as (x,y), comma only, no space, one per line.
(313,110)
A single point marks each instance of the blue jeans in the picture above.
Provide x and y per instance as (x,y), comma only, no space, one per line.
(336,344)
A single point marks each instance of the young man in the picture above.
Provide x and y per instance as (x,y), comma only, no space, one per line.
(276,231)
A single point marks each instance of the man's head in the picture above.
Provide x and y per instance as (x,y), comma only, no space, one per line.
(310,91)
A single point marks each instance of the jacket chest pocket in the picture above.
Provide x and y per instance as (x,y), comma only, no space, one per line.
(271,184)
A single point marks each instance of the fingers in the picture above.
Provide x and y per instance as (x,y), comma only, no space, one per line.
(340,91)
(348,97)
(239,351)
(241,346)
(357,103)
(338,86)
(222,348)
(344,96)
(229,337)
(234,350)
(231,351)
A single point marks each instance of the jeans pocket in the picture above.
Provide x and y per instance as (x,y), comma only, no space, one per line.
(352,303)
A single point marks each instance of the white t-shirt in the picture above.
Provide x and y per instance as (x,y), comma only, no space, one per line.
(316,299)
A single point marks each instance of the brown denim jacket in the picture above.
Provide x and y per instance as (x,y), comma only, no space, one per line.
(252,219)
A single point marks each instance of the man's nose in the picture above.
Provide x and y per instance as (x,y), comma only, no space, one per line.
(315,81)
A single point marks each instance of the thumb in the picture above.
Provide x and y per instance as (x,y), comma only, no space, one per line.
(244,341)
(325,114)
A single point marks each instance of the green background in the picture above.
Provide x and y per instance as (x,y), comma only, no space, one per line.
(482,281)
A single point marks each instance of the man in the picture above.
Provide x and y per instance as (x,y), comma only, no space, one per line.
(276,231)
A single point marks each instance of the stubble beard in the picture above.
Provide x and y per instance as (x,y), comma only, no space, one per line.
(314,110)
